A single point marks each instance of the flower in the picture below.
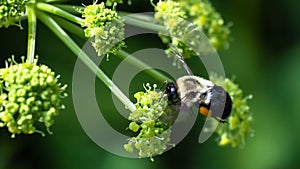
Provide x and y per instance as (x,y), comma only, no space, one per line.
(11,11)
(240,120)
(105,28)
(153,134)
(30,94)
(208,20)
(185,21)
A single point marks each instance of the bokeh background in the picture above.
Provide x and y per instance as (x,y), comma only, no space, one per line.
(264,55)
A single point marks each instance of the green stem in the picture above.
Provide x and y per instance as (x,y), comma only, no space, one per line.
(75,29)
(31,32)
(139,64)
(73,9)
(143,24)
(137,20)
(63,36)
(139,16)
(70,26)
(59,12)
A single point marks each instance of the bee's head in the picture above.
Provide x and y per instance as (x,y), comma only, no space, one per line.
(171,91)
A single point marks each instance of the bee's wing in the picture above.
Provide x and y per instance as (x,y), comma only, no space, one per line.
(189,109)
(208,129)
(185,120)
(180,57)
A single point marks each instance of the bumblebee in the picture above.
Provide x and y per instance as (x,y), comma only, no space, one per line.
(193,91)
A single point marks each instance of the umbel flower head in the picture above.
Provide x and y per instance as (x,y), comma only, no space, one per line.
(11,11)
(208,20)
(181,18)
(240,120)
(30,97)
(105,28)
(153,135)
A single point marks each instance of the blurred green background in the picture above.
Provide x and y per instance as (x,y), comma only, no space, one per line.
(264,57)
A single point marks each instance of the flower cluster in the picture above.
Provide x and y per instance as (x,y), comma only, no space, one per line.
(208,20)
(105,27)
(153,134)
(185,20)
(11,11)
(166,10)
(240,119)
(30,96)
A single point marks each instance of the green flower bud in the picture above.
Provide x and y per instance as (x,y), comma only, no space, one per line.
(181,18)
(128,147)
(11,12)
(134,126)
(30,95)
(153,134)
(105,27)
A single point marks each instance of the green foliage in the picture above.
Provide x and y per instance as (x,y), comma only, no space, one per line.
(30,94)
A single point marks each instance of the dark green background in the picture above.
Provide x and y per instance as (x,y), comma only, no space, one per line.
(264,57)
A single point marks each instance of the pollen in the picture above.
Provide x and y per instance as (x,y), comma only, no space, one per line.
(204,111)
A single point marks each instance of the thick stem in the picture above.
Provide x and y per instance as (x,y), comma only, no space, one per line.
(59,12)
(63,36)
(31,32)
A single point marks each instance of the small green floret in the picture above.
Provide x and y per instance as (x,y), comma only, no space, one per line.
(208,20)
(240,120)
(11,12)
(105,28)
(30,94)
(185,20)
(153,134)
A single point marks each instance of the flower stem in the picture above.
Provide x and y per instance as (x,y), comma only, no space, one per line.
(134,21)
(73,9)
(59,12)
(137,20)
(70,26)
(75,29)
(31,32)
(63,36)
(139,16)
(139,64)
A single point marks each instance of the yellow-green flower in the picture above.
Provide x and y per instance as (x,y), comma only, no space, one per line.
(105,28)
(29,94)
(11,12)
(240,120)
(153,135)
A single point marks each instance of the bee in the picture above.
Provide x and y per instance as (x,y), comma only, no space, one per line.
(192,91)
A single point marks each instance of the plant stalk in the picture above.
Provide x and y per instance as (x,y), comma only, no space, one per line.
(63,36)
(59,12)
(31,32)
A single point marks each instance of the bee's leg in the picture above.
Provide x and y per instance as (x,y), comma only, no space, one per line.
(179,56)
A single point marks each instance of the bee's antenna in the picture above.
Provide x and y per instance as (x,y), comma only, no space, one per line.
(178,54)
